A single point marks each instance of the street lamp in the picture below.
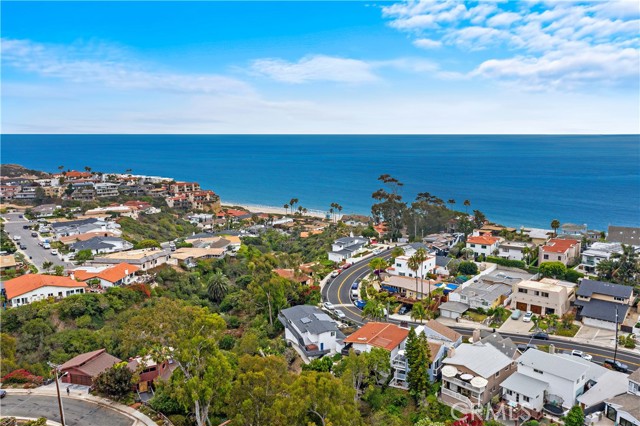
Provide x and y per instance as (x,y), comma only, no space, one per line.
(55,372)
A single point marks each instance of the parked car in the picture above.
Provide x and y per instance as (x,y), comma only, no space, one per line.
(34,234)
(516,314)
(378,251)
(3,393)
(346,266)
(16,238)
(23,247)
(25,226)
(355,293)
(527,316)
(335,273)
(581,354)
(54,252)
(540,335)
(616,365)
(339,314)
(328,305)
(402,310)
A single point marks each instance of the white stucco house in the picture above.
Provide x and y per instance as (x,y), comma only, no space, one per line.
(311,331)
(33,287)
(346,247)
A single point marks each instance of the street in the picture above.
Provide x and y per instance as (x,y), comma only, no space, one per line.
(77,412)
(13,225)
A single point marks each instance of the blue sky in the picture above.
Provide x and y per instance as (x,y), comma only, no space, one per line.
(321,67)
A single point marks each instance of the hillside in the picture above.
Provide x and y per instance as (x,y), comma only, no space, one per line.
(16,170)
(160,227)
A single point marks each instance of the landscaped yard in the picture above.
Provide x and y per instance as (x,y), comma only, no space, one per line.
(553,326)
(475,316)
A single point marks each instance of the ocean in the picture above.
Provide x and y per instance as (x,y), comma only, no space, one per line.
(514,180)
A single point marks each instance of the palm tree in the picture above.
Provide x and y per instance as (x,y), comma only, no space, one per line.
(87,168)
(61,168)
(286,207)
(218,286)
(422,255)
(467,204)
(626,265)
(396,252)
(293,202)
(525,252)
(605,269)
(467,252)
(418,312)
(378,264)
(414,264)
(300,209)
(339,207)
(373,310)
(451,202)
(555,224)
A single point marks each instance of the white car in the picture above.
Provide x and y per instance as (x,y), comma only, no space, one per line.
(328,305)
(581,354)
(527,316)
(54,252)
(335,274)
(339,314)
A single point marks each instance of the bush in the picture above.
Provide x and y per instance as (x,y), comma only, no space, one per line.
(572,275)
(506,262)
(468,268)
(164,403)
(20,377)
(227,342)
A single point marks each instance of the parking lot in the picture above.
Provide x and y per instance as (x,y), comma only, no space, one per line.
(516,326)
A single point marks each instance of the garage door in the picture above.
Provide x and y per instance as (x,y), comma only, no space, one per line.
(521,306)
(78,379)
(536,309)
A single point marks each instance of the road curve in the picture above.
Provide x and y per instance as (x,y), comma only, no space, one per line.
(77,412)
(338,292)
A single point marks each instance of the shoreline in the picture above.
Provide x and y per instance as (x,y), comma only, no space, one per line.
(263,208)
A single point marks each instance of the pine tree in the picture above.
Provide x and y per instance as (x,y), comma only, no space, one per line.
(418,360)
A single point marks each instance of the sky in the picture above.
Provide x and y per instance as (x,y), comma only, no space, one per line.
(407,67)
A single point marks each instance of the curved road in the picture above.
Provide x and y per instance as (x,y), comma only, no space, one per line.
(77,412)
(338,292)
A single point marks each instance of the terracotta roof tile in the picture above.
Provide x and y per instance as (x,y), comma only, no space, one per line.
(379,334)
(558,245)
(30,282)
(483,239)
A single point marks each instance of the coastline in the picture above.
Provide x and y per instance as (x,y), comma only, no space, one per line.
(261,208)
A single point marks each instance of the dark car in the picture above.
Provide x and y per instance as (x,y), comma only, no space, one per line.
(23,247)
(616,365)
(3,393)
(540,335)
(34,234)
(25,226)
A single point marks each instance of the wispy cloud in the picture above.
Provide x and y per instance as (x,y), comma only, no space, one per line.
(108,66)
(552,44)
(316,68)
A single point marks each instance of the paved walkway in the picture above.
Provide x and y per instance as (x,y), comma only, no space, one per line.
(136,416)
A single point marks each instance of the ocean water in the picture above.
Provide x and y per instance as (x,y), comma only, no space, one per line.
(514,180)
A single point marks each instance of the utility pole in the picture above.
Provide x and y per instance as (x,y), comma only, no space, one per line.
(615,352)
(55,372)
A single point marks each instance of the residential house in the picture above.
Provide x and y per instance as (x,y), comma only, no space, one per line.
(53,191)
(32,287)
(489,290)
(544,297)
(74,175)
(102,245)
(294,275)
(26,193)
(452,309)
(442,263)
(311,331)
(190,255)
(84,368)
(117,275)
(441,243)
(602,304)
(503,344)
(71,239)
(596,253)
(406,286)
(557,382)
(573,230)
(440,338)
(106,189)
(83,226)
(7,262)
(624,235)
(494,230)
(150,370)
(355,220)
(145,259)
(8,192)
(566,251)
(401,267)
(624,409)
(516,250)
(483,245)
(44,210)
(83,191)
(472,375)
(538,235)
(346,247)
(383,335)
(184,187)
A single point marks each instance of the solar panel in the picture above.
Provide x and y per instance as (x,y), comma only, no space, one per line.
(305,320)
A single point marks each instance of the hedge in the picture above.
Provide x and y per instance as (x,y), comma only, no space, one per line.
(507,262)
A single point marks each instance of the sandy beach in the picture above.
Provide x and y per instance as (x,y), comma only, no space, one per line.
(259,208)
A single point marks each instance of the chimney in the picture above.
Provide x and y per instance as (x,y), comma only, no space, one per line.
(552,348)
(451,352)
(476,335)
(72,276)
(126,272)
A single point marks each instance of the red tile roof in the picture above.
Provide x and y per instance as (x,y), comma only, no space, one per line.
(483,239)
(379,334)
(113,274)
(26,283)
(558,245)
(76,174)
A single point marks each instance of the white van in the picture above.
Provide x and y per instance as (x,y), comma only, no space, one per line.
(355,290)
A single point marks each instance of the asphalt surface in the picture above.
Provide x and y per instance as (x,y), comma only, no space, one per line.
(77,412)
(13,225)
(338,292)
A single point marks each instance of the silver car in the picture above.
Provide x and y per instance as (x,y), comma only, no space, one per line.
(328,305)
(339,314)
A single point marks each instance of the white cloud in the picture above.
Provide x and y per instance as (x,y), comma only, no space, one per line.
(503,19)
(426,43)
(107,66)
(315,68)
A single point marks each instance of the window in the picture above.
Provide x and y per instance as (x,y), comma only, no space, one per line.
(522,290)
(538,371)
(546,256)
(559,257)
(498,374)
(485,303)
(509,392)
(398,265)
(333,333)
(544,294)
(619,299)
(625,422)
(473,245)
(526,398)
(536,293)
(484,247)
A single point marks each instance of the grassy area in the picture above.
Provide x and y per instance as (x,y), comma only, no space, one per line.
(567,332)
(160,227)
(505,316)
(475,316)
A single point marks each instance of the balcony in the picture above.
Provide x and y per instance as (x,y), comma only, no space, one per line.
(463,384)
(457,396)
(399,363)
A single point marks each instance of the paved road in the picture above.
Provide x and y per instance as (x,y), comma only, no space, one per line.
(14,226)
(338,292)
(77,412)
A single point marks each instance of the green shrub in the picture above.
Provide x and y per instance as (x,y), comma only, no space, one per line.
(468,268)
(506,262)
(227,342)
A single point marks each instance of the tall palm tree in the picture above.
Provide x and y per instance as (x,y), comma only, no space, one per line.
(286,207)
(414,264)
(418,312)
(87,168)
(525,252)
(451,202)
(218,286)
(339,207)
(378,264)
(467,204)
(467,252)
(293,202)
(605,269)
(626,265)
(396,252)
(555,224)
(422,255)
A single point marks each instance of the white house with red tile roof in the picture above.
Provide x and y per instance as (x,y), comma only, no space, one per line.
(120,274)
(379,335)
(33,287)
(562,250)
(484,244)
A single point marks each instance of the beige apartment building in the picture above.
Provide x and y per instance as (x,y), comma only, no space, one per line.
(544,297)
(560,250)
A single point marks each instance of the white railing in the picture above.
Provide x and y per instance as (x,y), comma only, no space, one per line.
(457,396)
(464,384)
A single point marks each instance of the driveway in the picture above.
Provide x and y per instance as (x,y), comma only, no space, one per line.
(596,336)
(515,326)
(77,412)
